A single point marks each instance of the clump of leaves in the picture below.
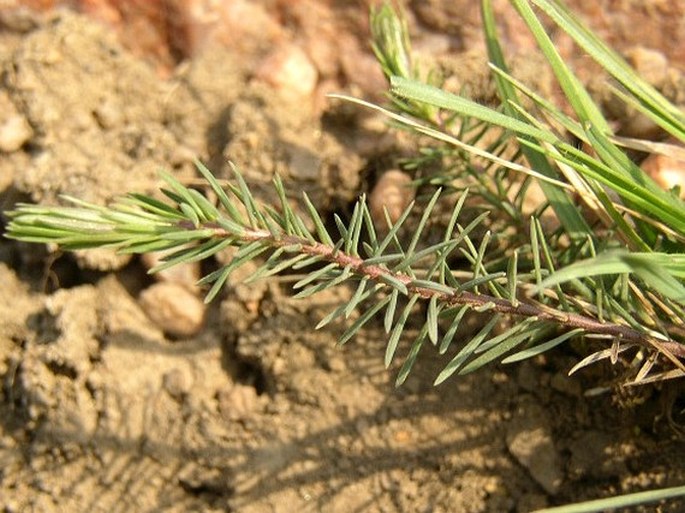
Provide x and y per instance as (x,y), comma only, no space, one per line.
(619,253)
(619,281)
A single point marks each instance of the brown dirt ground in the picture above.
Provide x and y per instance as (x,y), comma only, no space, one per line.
(101,410)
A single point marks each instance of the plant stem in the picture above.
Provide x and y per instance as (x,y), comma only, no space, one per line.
(456,298)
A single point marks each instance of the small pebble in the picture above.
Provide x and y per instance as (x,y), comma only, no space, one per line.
(289,70)
(666,171)
(177,311)
(14,133)
(530,441)
(651,65)
(392,191)
(237,402)
(176,383)
(108,114)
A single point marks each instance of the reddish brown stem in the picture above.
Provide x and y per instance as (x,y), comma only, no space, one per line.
(500,305)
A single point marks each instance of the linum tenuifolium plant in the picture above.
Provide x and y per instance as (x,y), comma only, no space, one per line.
(611,273)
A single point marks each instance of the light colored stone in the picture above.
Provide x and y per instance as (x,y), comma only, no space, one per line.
(392,191)
(529,440)
(237,402)
(173,308)
(15,131)
(665,170)
(290,71)
(650,64)
(177,383)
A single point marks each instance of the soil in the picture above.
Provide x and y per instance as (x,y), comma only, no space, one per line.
(107,405)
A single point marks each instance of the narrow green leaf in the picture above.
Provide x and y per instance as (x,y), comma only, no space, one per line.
(233,212)
(432,319)
(656,277)
(315,275)
(618,502)
(519,327)
(466,351)
(370,228)
(383,259)
(411,357)
(344,275)
(244,254)
(246,197)
(147,245)
(394,282)
(231,226)
(194,254)
(449,229)
(336,248)
(440,250)
(356,297)
(313,289)
(478,264)
(501,348)
(269,270)
(190,213)
(341,309)
(153,205)
(311,260)
(473,284)
(62,225)
(205,209)
(550,263)
(352,246)
(369,250)
(392,233)
(542,348)
(181,234)
(321,231)
(512,269)
(433,286)
(219,281)
(287,212)
(180,193)
(302,229)
(397,331)
(390,312)
(363,319)
(136,220)
(274,222)
(648,266)
(414,90)
(652,102)
(574,91)
(452,331)
(342,229)
(418,232)
(535,248)
(172,195)
(330,317)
